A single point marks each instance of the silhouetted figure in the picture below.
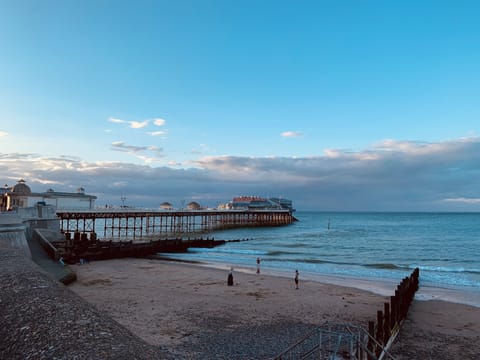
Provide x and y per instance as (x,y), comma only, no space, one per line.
(258,265)
(230,277)
(296,279)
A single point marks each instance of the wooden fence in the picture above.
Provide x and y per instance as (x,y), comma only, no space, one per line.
(383,332)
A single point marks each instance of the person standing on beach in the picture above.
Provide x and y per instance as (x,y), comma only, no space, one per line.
(258,265)
(296,279)
(230,277)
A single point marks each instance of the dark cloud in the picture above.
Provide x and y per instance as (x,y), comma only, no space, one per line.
(403,176)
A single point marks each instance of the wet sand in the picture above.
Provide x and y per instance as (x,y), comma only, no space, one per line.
(189,308)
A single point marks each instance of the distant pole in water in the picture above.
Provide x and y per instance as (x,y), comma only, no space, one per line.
(328,226)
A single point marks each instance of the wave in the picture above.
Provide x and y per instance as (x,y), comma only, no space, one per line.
(280,253)
(459,269)
(306,261)
(229,251)
(386,266)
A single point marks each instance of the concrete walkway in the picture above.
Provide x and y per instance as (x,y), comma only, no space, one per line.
(58,271)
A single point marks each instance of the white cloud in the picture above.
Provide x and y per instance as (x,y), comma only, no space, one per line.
(3,133)
(132,124)
(291,134)
(159,122)
(157,133)
(117,121)
(138,124)
(463,200)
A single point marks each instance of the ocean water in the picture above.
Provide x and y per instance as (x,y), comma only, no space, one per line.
(381,247)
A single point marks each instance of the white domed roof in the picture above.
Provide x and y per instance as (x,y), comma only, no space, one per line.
(21,188)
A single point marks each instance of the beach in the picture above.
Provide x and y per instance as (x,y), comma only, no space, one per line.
(189,309)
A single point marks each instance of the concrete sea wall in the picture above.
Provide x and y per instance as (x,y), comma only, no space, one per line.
(40,318)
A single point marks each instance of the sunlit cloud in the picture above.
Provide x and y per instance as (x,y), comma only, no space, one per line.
(138,124)
(3,133)
(291,134)
(159,122)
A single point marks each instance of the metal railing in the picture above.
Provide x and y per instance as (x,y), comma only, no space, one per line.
(333,342)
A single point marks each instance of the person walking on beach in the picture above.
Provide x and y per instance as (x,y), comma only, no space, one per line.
(258,265)
(296,279)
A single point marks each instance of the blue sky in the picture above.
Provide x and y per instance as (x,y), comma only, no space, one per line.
(337,105)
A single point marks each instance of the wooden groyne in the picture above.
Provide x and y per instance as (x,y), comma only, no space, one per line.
(136,224)
(82,246)
(382,333)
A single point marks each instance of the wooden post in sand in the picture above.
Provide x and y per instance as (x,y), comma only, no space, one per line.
(370,344)
(393,311)
(379,336)
(386,322)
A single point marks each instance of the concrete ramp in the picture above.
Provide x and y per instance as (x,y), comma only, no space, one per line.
(12,233)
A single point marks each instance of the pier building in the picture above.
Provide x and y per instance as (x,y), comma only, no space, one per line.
(21,196)
(258,203)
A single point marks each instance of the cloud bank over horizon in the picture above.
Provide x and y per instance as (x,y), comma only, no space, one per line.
(389,176)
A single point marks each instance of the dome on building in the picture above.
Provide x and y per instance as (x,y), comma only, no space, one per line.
(21,188)
(166,206)
(193,206)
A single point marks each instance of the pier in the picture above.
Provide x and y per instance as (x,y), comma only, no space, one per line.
(147,224)
(107,234)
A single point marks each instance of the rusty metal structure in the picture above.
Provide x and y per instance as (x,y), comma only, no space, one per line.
(147,224)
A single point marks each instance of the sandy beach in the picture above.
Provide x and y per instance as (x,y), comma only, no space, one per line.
(189,309)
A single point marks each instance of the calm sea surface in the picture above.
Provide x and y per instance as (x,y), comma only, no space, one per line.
(382,246)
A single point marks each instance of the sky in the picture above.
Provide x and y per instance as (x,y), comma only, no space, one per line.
(336,105)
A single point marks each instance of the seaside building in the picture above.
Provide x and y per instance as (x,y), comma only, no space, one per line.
(283,203)
(21,196)
(257,203)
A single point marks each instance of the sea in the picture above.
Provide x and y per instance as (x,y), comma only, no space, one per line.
(373,251)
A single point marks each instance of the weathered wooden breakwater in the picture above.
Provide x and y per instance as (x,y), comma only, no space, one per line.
(383,333)
(138,224)
(82,247)
(348,341)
